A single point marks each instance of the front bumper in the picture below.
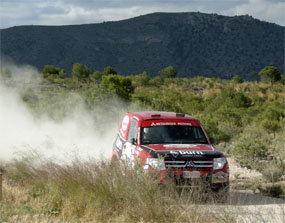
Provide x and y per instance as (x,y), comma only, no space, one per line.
(212,178)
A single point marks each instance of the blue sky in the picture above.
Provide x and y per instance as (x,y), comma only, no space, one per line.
(66,12)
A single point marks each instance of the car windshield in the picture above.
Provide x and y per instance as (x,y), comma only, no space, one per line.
(173,134)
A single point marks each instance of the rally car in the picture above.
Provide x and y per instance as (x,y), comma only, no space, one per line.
(174,145)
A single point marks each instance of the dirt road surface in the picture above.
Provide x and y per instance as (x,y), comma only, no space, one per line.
(245,206)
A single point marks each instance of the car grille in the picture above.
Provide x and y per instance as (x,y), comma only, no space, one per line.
(188,164)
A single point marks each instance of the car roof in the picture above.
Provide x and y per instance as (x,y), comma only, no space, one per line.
(161,115)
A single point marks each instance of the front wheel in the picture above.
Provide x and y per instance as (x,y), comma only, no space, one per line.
(221,193)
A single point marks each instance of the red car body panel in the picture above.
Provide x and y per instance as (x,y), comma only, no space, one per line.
(179,159)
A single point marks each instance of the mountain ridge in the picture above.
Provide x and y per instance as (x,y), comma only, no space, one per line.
(194,43)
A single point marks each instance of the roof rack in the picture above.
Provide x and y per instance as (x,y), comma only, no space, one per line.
(180,115)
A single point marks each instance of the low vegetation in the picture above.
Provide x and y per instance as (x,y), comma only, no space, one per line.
(94,191)
(247,120)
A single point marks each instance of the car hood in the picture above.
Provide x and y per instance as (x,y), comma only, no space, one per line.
(182,150)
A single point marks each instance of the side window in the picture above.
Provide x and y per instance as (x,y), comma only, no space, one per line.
(133,130)
(199,134)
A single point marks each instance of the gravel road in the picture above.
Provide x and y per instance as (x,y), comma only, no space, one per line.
(245,206)
(248,207)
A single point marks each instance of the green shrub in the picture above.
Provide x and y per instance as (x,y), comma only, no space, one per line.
(52,73)
(237,79)
(276,191)
(98,190)
(81,72)
(273,190)
(270,74)
(273,172)
(117,85)
(251,147)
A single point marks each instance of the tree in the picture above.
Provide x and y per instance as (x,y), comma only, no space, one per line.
(51,72)
(274,113)
(237,79)
(270,74)
(271,126)
(118,85)
(5,73)
(96,76)
(80,72)
(143,79)
(282,79)
(168,72)
(109,71)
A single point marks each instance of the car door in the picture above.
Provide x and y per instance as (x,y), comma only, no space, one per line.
(131,143)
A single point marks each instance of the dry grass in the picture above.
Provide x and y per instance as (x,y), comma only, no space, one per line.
(93,191)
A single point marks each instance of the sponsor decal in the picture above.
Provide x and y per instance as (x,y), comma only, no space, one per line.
(122,132)
(119,143)
(219,177)
(179,146)
(139,149)
(184,123)
(162,123)
(181,153)
(170,123)
(125,123)
(175,153)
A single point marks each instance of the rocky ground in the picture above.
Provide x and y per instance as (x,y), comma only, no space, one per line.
(247,205)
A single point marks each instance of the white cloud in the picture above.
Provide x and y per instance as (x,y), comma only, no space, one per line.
(65,12)
(271,11)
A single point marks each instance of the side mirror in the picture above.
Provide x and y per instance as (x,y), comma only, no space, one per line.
(212,140)
(133,141)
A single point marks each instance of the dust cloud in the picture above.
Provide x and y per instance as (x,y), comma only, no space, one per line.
(78,134)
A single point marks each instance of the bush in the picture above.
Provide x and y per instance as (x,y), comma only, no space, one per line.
(5,73)
(273,190)
(237,79)
(81,72)
(271,125)
(211,126)
(118,85)
(52,73)
(80,191)
(270,74)
(168,72)
(143,79)
(282,79)
(251,147)
(109,71)
(276,191)
(273,172)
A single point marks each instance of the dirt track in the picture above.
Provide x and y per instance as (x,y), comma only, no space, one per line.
(245,206)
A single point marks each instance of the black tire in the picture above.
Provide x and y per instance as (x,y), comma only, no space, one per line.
(221,194)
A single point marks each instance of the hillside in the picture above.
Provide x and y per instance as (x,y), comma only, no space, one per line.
(246,119)
(194,43)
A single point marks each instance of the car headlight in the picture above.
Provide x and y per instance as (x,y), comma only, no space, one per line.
(219,163)
(154,163)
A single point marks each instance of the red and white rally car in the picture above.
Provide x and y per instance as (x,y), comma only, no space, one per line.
(175,145)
